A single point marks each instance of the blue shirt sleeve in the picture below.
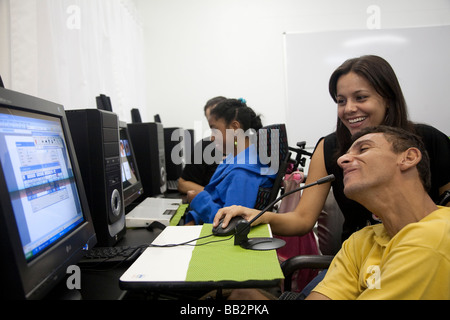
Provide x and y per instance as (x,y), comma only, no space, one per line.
(237,188)
(202,206)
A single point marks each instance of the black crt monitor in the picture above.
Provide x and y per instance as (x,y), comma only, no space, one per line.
(131,180)
(45,223)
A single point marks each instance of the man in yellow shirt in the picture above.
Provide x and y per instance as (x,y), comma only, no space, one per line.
(408,255)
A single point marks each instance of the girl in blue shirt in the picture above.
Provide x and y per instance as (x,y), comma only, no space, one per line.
(238,178)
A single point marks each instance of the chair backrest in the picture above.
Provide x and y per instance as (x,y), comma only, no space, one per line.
(444,198)
(267,195)
(329,226)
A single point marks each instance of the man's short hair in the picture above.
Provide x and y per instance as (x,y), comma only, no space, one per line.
(401,140)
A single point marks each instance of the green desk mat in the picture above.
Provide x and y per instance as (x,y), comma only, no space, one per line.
(222,261)
(178,215)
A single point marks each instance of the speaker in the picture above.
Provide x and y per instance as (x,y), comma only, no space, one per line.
(104,102)
(136,116)
(148,145)
(95,134)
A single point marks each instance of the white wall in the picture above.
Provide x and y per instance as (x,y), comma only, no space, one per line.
(5,68)
(416,54)
(69,52)
(197,49)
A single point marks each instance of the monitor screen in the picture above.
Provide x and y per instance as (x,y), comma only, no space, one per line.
(131,183)
(44,214)
(39,178)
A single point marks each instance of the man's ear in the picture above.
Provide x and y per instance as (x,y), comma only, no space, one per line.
(410,158)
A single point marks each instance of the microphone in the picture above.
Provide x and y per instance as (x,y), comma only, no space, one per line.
(243,227)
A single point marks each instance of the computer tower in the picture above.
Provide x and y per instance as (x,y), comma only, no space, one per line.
(95,134)
(174,144)
(148,144)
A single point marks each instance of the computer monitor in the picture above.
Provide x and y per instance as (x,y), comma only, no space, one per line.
(45,223)
(131,181)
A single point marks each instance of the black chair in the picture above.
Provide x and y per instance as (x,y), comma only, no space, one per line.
(444,199)
(267,195)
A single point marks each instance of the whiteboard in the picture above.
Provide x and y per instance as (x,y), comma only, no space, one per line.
(420,58)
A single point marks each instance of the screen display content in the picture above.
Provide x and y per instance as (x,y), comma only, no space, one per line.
(39,178)
(129,176)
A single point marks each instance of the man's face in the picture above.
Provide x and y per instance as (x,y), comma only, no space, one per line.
(370,163)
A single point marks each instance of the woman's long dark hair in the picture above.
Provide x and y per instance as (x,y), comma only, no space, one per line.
(379,73)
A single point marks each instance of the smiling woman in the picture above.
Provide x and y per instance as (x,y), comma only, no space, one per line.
(359,105)
(367,93)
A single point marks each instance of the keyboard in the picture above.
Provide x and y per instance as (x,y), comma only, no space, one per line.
(111,255)
(172,184)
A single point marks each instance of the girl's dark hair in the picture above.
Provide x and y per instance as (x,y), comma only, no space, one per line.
(379,73)
(237,109)
(212,102)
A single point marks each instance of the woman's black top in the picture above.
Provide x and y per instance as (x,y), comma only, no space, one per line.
(356,216)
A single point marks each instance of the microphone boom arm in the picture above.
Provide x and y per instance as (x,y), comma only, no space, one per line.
(243,228)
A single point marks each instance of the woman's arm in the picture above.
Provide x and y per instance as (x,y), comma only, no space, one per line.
(184,186)
(302,219)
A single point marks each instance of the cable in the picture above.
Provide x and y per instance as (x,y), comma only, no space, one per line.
(326,179)
(187,243)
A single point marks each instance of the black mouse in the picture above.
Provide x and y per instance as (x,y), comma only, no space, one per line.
(229,230)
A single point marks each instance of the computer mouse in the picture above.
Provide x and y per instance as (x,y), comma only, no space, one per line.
(230,228)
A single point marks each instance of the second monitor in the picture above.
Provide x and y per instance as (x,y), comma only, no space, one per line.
(131,179)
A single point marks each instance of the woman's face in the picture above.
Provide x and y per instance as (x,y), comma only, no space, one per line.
(359,105)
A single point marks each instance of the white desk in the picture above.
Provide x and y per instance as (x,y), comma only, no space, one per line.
(175,267)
